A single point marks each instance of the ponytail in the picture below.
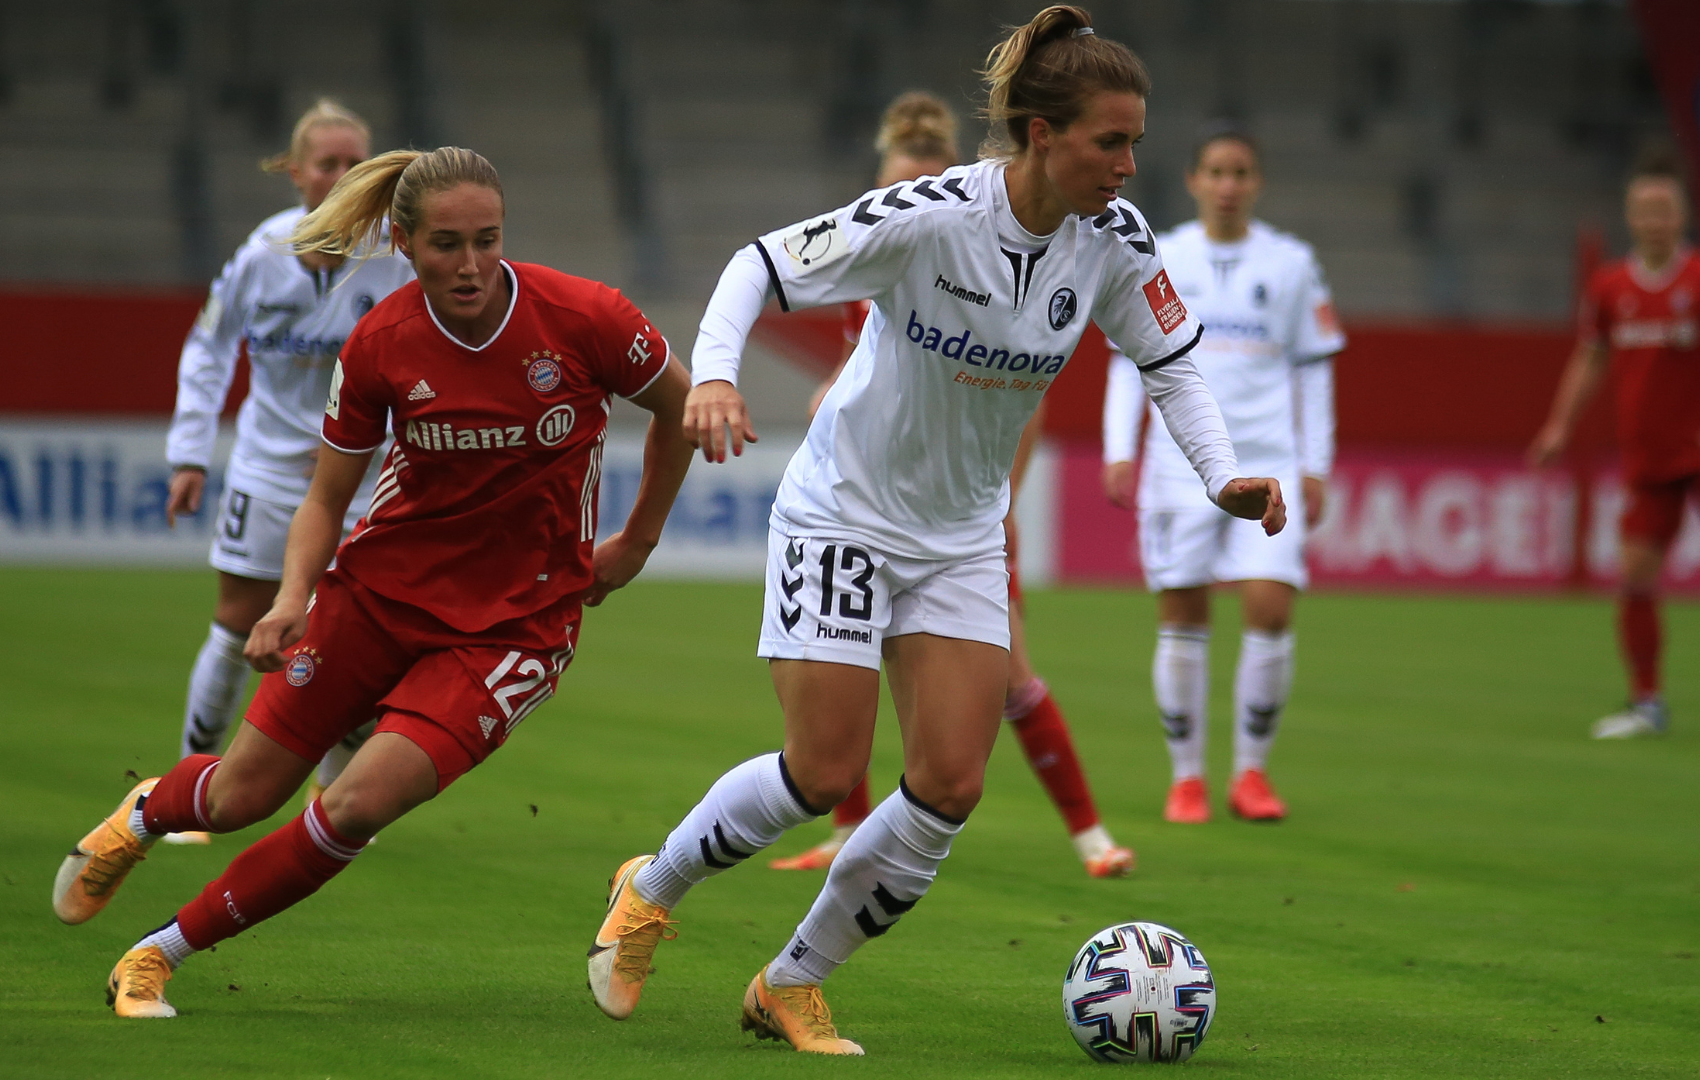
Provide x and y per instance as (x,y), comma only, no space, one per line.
(1049,69)
(393,186)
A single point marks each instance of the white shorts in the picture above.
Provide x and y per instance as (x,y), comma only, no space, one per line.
(1183,549)
(838,601)
(249,536)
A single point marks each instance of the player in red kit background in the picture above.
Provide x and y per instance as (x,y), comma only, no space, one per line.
(1638,315)
(454,606)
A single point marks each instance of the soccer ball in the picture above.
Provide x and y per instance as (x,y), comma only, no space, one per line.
(1139,992)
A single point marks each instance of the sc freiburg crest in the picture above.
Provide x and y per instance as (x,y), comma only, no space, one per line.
(1063,307)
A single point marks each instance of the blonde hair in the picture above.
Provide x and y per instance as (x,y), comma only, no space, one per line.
(1048,69)
(326,112)
(918,125)
(393,186)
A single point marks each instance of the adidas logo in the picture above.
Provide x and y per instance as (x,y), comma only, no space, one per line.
(421,391)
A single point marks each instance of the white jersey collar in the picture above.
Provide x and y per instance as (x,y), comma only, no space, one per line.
(513,302)
(1011,233)
(1652,282)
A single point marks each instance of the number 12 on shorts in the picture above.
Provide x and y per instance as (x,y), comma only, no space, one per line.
(858,568)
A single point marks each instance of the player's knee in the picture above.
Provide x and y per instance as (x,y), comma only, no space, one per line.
(357,811)
(955,795)
(825,784)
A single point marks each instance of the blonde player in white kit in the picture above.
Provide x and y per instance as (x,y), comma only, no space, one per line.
(1269,335)
(887,533)
(293,313)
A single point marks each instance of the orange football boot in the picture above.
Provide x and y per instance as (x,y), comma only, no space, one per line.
(794,1014)
(1254,800)
(1116,862)
(620,955)
(136,987)
(90,875)
(1188,803)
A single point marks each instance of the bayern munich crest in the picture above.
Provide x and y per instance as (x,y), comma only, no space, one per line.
(543,372)
(299,671)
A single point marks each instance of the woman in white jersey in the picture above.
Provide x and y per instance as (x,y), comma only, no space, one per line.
(917,138)
(887,538)
(292,312)
(1270,334)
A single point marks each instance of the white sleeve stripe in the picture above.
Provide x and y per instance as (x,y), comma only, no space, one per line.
(658,373)
(346,450)
(1177,354)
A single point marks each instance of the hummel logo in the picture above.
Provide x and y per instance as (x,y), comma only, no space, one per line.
(789,618)
(794,554)
(790,587)
(421,391)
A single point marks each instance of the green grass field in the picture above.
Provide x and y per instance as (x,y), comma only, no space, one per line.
(1467,885)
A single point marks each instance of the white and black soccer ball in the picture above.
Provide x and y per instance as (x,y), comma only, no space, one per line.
(1139,992)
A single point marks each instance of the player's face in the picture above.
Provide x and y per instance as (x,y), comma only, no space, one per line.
(1656,213)
(1226,183)
(457,250)
(332,149)
(1088,161)
(900,167)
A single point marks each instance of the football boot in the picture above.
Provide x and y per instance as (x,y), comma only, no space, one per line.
(136,987)
(1648,717)
(91,874)
(1188,802)
(818,857)
(1116,862)
(190,837)
(794,1014)
(620,955)
(1254,800)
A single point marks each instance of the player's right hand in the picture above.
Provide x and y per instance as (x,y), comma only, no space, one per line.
(188,484)
(1256,499)
(276,631)
(1118,484)
(711,411)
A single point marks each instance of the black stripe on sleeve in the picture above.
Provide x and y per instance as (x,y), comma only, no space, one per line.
(1177,354)
(773,276)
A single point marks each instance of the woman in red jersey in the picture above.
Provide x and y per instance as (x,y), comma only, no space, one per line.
(454,606)
(917,138)
(1640,314)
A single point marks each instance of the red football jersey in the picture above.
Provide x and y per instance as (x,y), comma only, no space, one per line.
(486,507)
(1649,323)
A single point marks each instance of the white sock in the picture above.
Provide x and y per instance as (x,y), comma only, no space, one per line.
(1261,685)
(138,825)
(337,757)
(169,940)
(746,810)
(884,869)
(1093,843)
(215,690)
(1180,676)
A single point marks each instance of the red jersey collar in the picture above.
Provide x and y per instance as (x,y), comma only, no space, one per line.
(513,302)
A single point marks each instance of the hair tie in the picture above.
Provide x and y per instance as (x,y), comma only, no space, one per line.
(1083,31)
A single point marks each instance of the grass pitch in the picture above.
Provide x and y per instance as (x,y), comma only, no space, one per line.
(1468,887)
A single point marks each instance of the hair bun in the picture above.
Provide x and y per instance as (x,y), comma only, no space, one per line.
(918,125)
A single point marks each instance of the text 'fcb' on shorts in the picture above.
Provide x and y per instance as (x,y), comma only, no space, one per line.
(838,600)
(457,696)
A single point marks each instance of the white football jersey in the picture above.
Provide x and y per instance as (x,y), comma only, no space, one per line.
(294,322)
(1267,313)
(972,319)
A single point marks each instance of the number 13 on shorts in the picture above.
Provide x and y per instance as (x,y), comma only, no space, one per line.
(825,601)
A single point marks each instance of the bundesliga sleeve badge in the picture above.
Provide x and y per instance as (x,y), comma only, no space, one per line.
(815,243)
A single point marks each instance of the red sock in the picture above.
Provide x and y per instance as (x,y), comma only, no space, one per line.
(279,871)
(1050,750)
(1638,633)
(854,809)
(179,801)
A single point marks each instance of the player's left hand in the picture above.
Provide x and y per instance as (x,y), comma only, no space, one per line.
(1256,499)
(1316,500)
(613,564)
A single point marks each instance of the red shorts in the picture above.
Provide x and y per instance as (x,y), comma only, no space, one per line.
(1654,511)
(457,696)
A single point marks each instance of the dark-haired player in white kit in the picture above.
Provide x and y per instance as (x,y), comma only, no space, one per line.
(1269,336)
(887,533)
(293,313)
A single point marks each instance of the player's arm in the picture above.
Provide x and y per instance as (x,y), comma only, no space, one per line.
(1124,406)
(1576,387)
(1313,393)
(1018,473)
(204,374)
(666,459)
(314,534)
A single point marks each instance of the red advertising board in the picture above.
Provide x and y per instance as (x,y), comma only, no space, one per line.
(1432,519)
